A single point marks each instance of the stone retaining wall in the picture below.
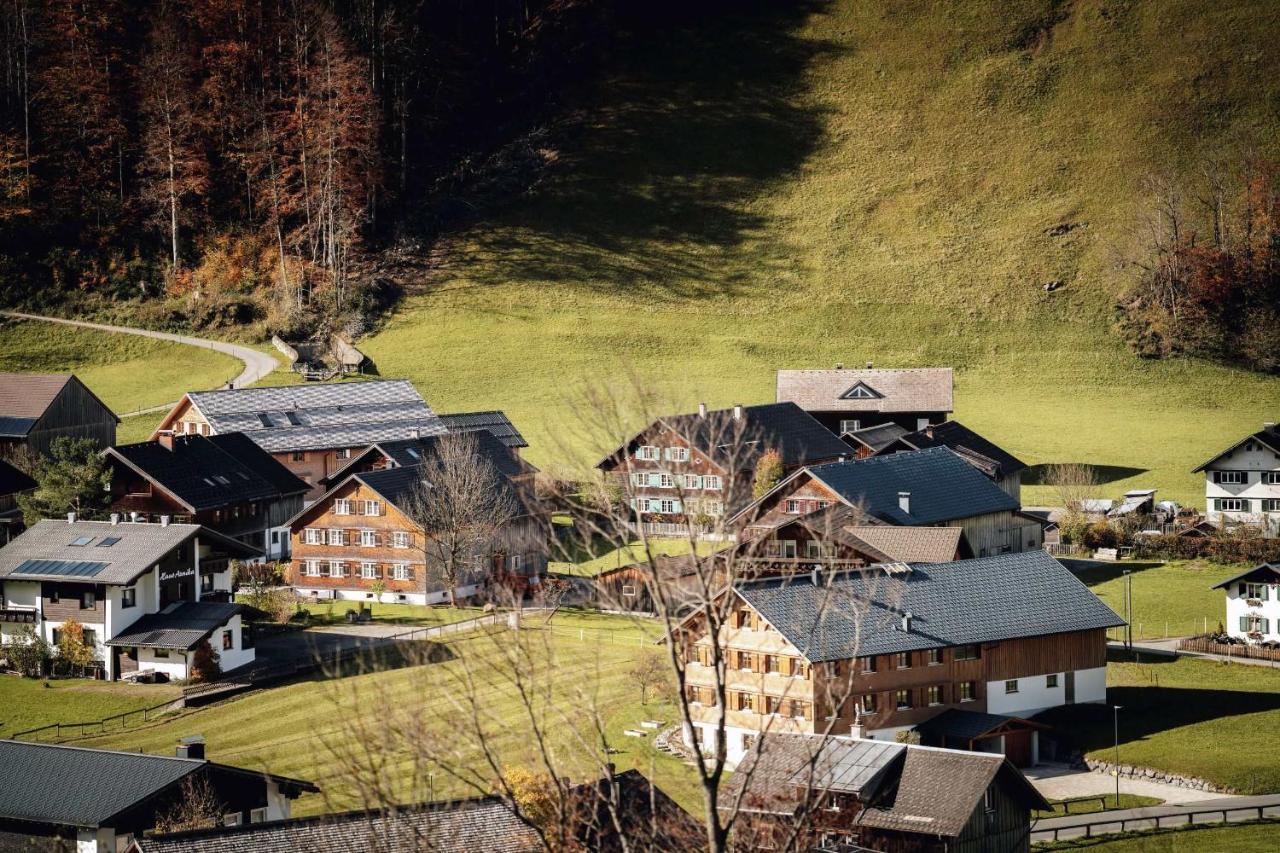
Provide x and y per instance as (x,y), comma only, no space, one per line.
(1152,775)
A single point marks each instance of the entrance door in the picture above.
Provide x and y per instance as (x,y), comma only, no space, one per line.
(1069,688)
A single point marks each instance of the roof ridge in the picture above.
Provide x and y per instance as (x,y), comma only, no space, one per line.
(98,751)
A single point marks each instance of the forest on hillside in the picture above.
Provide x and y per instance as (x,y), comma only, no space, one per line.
(241,157)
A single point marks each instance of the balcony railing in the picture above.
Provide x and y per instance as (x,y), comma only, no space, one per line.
(18,614)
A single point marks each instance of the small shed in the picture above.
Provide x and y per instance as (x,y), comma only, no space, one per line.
(628,587)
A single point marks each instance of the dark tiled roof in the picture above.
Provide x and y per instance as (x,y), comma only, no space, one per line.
(482,824)
(786,767)
(409,452)
(951,604)
(875,438)
(494,422)
(70,786)
(961,724)
(179,626)
(137,547)
(943,486)
(976,449)
(796,435)
(921,389)
(307,417)
(13,480)
(206,473)
(396,485)
(1265,573)
(1268,437)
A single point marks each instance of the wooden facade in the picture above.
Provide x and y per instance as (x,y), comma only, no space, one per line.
(73,412)
(667,490)
(355,537)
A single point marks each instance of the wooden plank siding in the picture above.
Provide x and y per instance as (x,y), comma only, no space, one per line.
(73,413)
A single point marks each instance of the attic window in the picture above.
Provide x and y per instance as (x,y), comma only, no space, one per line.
(208,481)
(413,453)
(293,418)
(861,391)
(81,541)
(108,541)
(221,479)
(265,419)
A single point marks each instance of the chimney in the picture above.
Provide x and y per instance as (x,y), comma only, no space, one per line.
(870,365)
(906,622)
(71,518)
(164,521)
(133,518)
(115,519)
(165,440)
(904,502)
(858,731)
(190,747)
(1268,425)
(702,410)
(415,432)
(813,575)
(737,412)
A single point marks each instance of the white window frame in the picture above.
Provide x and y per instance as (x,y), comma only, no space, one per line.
(692,481)
(401,539)
(233,819)
(400,572)
(313,536)
(791,506)
(342,453)
(258,815)
(341,506)
(849,425)
(648,453)
(311,568)
(1233,504)
(336,536)
(1271,504)
(372,507)
(677,454)
(712,482)
(337,569)
(369,571)
(368,538)
(1051,681)
(1011,687)
(666,481)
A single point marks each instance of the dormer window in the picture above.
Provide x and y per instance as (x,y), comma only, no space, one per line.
(861,391)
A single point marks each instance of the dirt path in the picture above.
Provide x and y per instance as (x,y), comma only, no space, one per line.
(256,364)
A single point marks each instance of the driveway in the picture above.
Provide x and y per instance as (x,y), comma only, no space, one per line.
(256,364)
(1218,810)
(1061,782)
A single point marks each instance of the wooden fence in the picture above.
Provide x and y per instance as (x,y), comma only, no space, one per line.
(1205,645)
(1238,814)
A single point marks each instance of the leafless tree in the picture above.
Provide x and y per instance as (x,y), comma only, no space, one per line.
(197,807)
(463,505)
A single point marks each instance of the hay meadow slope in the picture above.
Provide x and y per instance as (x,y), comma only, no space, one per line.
(853,180)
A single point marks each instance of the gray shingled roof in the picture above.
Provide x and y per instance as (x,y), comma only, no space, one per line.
(137,548)
(306,417)
(496,423)
(978,450)
(1268,437)
(75,786)
(484,823)
(181,625)
(1264,573)
(951,604)
(921,389)
(911,544)
(943,486)
(875,438)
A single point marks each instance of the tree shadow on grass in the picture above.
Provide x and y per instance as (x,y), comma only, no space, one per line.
(700,115)
(1037,475)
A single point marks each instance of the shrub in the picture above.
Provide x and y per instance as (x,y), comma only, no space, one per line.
(205,663)
(28,652)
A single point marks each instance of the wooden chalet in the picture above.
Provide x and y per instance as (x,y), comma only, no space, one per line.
(36,408)
(1004,469)
(225,482)
(847,400)
(410,452)
(684,467)
(361,533)
(853,794)
(923,488)
(889,647)
(13,482)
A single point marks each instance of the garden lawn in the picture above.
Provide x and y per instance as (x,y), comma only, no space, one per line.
(332,612)
(799,184)
(27,703)
(1173,599)
(1099,804)
(1211,720)
(1243,838)
(589,565)
(126,371)
(295,729)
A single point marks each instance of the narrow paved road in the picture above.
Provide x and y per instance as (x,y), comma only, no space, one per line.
(256,364)
(1228,809)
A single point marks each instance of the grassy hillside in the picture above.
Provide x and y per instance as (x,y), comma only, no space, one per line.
(854,181)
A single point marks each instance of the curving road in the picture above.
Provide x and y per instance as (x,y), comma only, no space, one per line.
(256,364)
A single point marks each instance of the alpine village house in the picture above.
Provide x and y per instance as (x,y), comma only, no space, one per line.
(37,408)
(849,400)
(680,467)
(147,594)
(224,482)
(963,650)
(1242,483)
(361,533)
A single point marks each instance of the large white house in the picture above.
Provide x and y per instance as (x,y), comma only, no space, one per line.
(1242,483)
(1253,604)
(147,595)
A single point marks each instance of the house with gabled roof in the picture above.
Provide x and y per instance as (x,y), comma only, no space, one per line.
(855,794)
(409,452)
(311,429)
(36,408)
(225,482)
(1242,483)
(146,594)
(847,400)
(1253,604)
(360,536)
(1004,469)
(493,422)
(13,482)
(680,467)
(935,487)
(888,647)
(55,797)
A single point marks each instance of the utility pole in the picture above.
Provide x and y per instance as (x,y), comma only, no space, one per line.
(1128,610)
(1116,768)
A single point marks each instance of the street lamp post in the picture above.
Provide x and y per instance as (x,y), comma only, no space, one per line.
(1116,720)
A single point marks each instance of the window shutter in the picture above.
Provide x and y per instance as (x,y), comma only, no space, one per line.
(1266,626)
(1217,476)
(1244,623)
(1265,592)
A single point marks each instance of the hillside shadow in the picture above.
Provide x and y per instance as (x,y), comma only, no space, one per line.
(699,115)
(1150,710)
(1037,475)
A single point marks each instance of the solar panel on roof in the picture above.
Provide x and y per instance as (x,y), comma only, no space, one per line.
(63,568)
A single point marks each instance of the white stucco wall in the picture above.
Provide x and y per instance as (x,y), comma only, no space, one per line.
(389,597)
(1034,695)
(1254,459)
(174,666)
(1238,606)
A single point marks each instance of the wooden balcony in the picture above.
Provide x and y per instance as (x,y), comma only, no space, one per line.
(18,615)
(746,681)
